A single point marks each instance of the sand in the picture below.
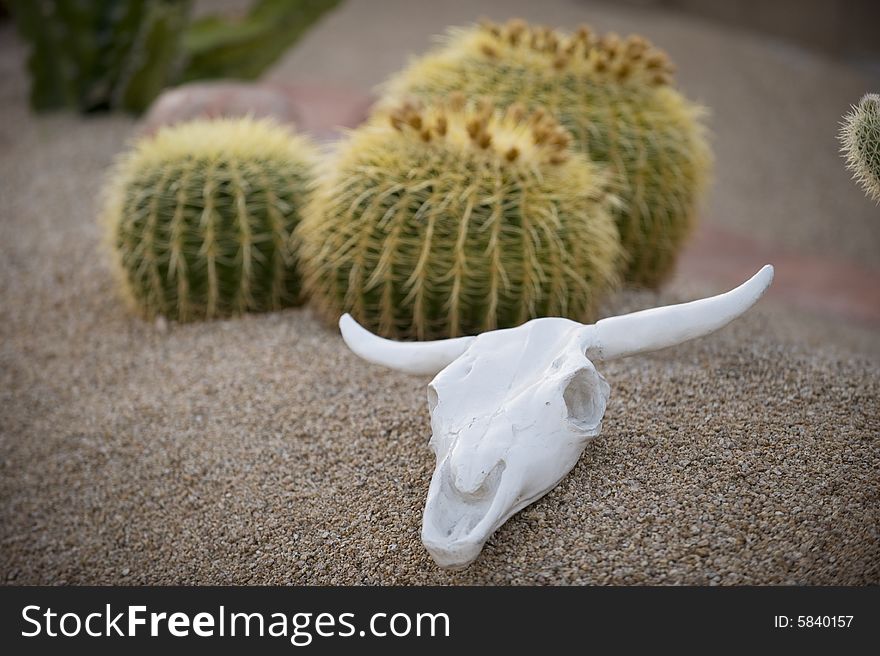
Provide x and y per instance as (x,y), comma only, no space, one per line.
(260,451)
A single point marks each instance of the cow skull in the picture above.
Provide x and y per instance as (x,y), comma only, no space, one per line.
(512,410)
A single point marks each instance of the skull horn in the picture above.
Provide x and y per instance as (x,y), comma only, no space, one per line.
(421,358)
(658,328)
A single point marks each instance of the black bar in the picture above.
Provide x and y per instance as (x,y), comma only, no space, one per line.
(518,619)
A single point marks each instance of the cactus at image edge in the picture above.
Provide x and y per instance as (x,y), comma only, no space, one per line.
(860,144)
(103,54)
(613,95)
(199,218)
(456,218)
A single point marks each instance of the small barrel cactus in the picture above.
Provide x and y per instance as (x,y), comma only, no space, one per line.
(615,98)
(200,217)
(458,218)
(860,139)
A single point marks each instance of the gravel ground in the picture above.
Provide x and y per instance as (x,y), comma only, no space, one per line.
(260,451)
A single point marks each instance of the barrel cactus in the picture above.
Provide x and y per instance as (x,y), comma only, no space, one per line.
(615,97)
(200,215)
(860,139)
(457,218)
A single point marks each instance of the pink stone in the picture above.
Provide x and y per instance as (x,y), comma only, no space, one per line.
(821,284)
(315,109)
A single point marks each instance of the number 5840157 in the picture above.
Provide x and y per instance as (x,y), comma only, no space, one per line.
(813,621)
(824,621)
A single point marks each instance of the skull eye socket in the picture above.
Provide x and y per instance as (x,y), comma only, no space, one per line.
(584,400)
(433,397)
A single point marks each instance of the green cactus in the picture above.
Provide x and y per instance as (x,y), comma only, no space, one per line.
(199,218)
(860,140)
(218,47)
(455,219)
(614,96)
(119,54)
(100,54)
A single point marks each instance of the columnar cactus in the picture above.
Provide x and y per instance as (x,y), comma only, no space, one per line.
(616,99)
(200,217)
(458,218)
(119,54)
(101,54)
(860,139)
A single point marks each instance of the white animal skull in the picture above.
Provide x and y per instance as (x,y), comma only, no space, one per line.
(512,410)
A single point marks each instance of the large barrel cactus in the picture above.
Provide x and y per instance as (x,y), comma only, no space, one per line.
(616,99)
(200,218)
(458,218)
(860,140)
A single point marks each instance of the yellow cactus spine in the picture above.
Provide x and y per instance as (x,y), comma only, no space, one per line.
(454,218)
(199,218)
(613,95)
(860,144)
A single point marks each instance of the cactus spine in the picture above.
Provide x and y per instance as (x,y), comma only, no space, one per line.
(458,218)
(615,98)
(200,218)
(860,144)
